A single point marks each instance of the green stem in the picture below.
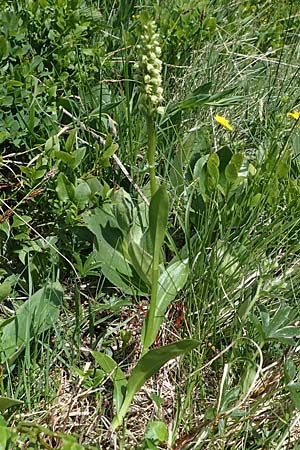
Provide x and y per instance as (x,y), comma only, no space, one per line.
(153,300)
(155,263)
(151,152)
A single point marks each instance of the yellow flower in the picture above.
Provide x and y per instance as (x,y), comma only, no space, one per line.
(224,122)
(294,115)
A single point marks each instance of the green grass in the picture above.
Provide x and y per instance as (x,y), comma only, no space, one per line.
(71,125)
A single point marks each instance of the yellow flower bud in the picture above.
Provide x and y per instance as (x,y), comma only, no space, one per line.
(224,122)
(294,115)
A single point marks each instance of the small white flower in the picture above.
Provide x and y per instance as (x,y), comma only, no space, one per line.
(154,99)
(161,110)
(157,50)
(150,67)
(156,73)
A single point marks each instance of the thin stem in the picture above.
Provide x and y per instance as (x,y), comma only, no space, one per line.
(152,306)
(155,263)
(151,152)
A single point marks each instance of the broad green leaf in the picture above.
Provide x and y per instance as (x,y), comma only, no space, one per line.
(147,366)
(36,315)
(237,159)
(20,221)
(227,101)
(279,326)
(95,186)
(7,438)
(52,144)
(294,389)
(109,239)
(4,47)
(6,402)
(64,157)
(282,317)
(69,445)
(5,322)
(264,317)
(283,165)
(231,173)
(170,282)
(109,151)
(71,140)
(213,168)
(123,209)
(114,266)
(148,445)
(255,201)
(111,368)
(82,194)
(5,289)
(290,369)
(141,261)
(200,173)
(157,431)
(158,218)
(286,335)
(222,94)
(64,188)
(31,118)
(77,156)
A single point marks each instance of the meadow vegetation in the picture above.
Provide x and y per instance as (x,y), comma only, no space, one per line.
(149,224)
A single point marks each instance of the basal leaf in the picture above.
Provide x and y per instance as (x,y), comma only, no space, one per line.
(111,368)
(141,261)
(6,402)
(109,241)
(147,366)
(170,282)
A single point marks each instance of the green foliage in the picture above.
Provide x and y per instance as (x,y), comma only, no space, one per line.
(155,434)
(212,254)
(147,366)
(33,317)
(171,280)
(279,327)
(6,403)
